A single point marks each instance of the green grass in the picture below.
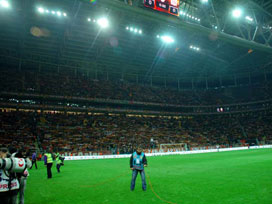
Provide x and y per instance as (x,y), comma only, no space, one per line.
(223,178)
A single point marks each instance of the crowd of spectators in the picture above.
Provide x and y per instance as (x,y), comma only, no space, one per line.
(60,84)
(18,129)
(107,133)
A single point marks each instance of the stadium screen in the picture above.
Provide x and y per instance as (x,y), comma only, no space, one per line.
(167,6)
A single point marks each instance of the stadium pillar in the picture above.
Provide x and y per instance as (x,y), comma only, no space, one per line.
(192,83)
(96,74)
(220,81)
(88,73)
(107,76)
(20,64)
(235,80)
(249,78)
(137,79)
(23,81)
(122,76)
(151,82)
(165,83)
(207,86)
(178,85)
(265,76)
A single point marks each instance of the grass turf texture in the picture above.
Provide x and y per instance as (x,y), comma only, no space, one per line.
(224,177)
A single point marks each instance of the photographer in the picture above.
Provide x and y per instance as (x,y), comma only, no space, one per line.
(22,177)
(9,184)
(137,163)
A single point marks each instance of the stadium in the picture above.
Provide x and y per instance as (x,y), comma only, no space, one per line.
(93,92)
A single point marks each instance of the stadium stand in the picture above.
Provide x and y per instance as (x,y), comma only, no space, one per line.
(112,134)
(18,129)
(82,86)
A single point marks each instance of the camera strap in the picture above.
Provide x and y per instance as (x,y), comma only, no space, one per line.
(11,177)
(11,161)
(25,166)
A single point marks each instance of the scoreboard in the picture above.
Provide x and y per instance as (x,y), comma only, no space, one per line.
(167,6)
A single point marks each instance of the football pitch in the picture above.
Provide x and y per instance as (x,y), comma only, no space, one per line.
(225,177)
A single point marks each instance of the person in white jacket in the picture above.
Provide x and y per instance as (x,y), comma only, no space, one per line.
(9,184)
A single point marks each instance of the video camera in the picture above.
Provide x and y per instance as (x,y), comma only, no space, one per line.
(15,165)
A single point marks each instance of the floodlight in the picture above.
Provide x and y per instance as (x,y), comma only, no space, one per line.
(53,12)
(103,22)
(131,29)
(94,20)
(236,13)
(89,19)
(197,49)
(41,10)
(4,4)
(135,30)
(58,13)
(140,31)
(47,11)
(249,18)
(191,46)
(204,1)
(64,14)
(158,36)
(198,20)
(167,39)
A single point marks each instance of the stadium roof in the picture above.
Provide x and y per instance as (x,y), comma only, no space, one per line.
(226,45)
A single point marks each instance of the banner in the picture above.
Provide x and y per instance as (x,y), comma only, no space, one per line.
(166,153)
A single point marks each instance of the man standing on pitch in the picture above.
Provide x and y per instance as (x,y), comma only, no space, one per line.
(34,160)
(48,162)
(59,161)
(137,163)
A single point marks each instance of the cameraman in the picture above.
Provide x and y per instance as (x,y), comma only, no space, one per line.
(9,184)
(22,177)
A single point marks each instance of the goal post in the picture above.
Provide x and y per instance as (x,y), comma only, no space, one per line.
(173,147)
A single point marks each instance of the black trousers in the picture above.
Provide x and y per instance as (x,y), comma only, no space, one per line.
(49,172)
(58,167)
(9,197)
(34,162)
